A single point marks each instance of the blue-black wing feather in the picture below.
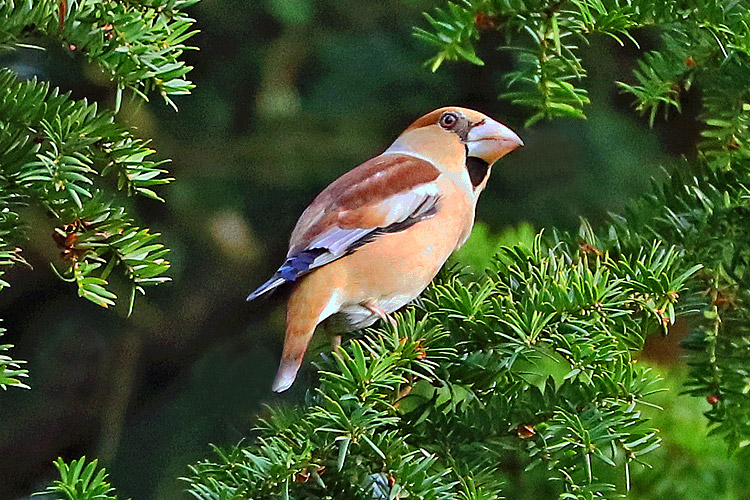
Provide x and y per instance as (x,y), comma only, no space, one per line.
(294,267)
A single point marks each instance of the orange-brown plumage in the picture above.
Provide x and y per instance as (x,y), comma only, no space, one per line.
(375,238)
(430,118)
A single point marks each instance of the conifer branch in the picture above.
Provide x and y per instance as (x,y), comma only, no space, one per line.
(705,44)
(67,155)
(70,157)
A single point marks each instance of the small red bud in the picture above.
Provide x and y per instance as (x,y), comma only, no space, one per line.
(588,248)
(525,431)
(484,21)
(712,399)
(70,240)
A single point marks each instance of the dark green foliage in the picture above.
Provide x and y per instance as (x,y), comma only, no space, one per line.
(80,481)
(534,361)
(706,211)
(69,158)
(66,155)
(55,151)
(705,43)
(138,43)
(532,367)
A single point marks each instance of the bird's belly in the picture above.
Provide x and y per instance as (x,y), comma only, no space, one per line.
(356,316)
(392,270)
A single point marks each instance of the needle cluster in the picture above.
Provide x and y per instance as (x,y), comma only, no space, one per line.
(70,157)
(703,209)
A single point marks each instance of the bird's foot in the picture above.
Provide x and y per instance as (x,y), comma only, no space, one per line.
(404,390)
(371,306)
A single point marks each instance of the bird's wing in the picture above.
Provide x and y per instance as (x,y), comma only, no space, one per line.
(386,194)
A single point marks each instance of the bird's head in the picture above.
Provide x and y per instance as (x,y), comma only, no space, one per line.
(449,133)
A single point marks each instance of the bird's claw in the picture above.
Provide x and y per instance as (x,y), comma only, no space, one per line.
(371,306)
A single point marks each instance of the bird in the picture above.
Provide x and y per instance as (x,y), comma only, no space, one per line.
(374,239)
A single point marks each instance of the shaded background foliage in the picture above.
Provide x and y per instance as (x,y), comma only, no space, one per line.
(290,94)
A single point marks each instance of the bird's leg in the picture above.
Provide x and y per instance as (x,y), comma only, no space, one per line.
(334,337)
(336,343)
(371,306)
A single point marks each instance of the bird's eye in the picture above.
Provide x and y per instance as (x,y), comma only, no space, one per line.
(448,120)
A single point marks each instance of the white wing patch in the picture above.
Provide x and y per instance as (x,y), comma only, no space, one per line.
(415,204)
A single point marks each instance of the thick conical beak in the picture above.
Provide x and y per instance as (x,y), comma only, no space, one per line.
(491,140)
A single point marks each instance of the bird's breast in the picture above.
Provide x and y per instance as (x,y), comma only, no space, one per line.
(396,267)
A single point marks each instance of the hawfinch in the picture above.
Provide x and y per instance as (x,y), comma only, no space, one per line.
(375,238)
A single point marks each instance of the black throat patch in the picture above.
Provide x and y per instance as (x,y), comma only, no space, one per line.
(478,169)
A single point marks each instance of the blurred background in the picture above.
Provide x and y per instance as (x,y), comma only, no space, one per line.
(291,94)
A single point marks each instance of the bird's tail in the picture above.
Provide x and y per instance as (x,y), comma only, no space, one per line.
(295,345)
(305,309)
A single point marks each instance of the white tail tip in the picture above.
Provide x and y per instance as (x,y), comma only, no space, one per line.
(286,375)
